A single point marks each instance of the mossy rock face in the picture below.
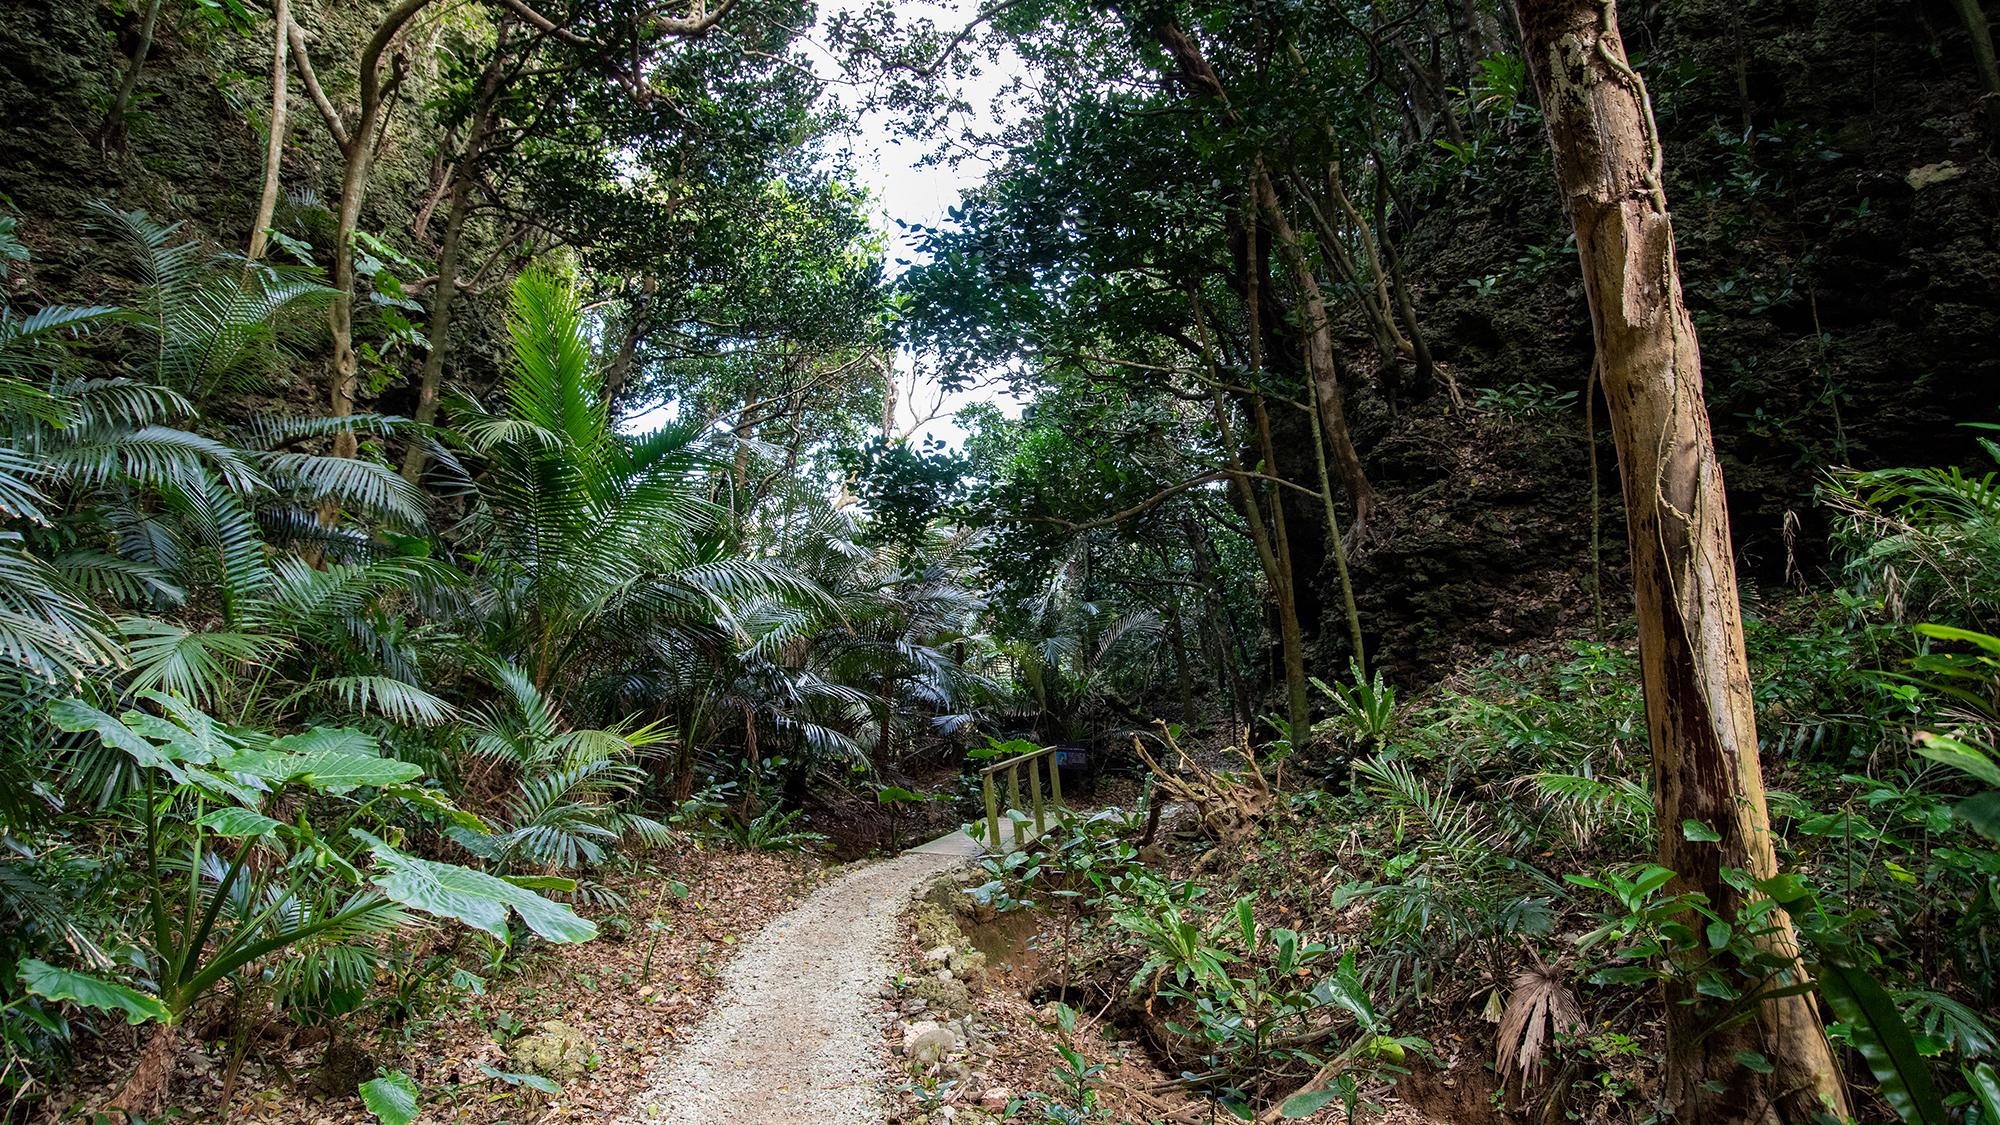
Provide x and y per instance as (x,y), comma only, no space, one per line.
(934,924)
(560,1052)
(943,995)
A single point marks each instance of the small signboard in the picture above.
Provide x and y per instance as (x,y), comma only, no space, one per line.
(1072,757)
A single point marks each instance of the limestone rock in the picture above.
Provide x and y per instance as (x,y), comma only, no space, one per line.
(560,1052)
(1921,178)
(950,996)
(927,1043)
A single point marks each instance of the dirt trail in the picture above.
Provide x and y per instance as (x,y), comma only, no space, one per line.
(793,1036)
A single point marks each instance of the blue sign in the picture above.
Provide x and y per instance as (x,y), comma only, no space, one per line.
(1071,758)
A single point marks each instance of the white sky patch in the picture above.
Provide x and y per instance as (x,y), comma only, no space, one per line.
(902,187)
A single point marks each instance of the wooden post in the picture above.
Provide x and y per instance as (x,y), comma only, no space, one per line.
(1055,777)
(992,813)
(1035,784)
(1014,799)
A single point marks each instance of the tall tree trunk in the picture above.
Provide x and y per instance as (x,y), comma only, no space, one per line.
(1183,682)
(464,174)
(274,149)
(1291,637)
(357,146)
(1697,681)
(1218,615)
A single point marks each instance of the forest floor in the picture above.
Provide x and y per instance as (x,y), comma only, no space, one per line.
(624,1000)
(729,986)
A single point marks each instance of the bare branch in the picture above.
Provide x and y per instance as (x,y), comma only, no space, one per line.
(303,61)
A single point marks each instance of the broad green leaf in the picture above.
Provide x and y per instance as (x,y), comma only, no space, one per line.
(51,983)
(1884,1040)
(1986,1087)
(1982,812)
(1751,1060)
(78,717)
(1958,755)
(1947,633)
(332,740)
(329,765)
(392,1098)
(1306,1104)
(436,802)
(1700,833)
(543,882)
(473,897)
(239,822)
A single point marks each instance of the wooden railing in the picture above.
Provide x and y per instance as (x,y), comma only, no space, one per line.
(1013,767)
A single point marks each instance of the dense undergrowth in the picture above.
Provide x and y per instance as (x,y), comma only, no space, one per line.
(1464,878)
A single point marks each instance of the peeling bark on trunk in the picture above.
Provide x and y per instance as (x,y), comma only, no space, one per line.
(1697,682)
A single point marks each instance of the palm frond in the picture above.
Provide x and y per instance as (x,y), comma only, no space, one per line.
(353,482)
(393,699)
(125,579)
(47,628)
(196,666)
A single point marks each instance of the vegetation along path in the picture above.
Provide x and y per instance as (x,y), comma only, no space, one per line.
(792,1032)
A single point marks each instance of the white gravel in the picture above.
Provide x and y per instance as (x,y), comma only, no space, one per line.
(793,1037)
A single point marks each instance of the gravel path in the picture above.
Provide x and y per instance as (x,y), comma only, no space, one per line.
(793,1037)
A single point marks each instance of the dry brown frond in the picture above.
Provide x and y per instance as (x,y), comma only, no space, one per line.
(1540,1009)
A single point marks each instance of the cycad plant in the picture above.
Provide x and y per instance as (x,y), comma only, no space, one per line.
(214,321)
(589,546)
(551,793)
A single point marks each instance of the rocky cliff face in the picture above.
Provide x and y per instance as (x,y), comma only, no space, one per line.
(1832,177)
(192,151)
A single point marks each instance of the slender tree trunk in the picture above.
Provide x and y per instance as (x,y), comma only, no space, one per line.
(274,149)
(1405,348)
(114,122)
(1425,368)
(1339,551)
(883,758)
(1218,615)
(438,337)
(1292,638)
(1319,357)
(1183,681)
(1276,572)
(464,174)
(619,371)
(357,146)
(1697,681)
